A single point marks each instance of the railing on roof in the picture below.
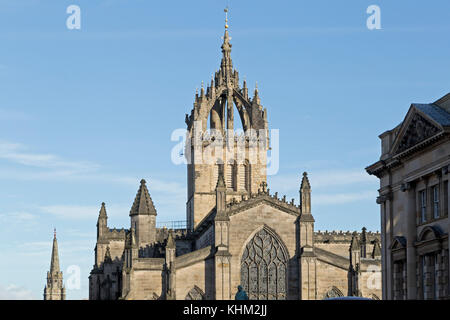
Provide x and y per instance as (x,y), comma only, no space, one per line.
(180,224)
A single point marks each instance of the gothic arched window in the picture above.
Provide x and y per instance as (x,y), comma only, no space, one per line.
(333,293)
(263,267)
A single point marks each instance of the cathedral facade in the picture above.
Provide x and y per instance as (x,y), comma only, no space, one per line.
(238,232)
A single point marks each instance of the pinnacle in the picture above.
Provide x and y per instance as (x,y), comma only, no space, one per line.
(305,182)
(102,213)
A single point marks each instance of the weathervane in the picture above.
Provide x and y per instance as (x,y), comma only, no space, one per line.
(226,17)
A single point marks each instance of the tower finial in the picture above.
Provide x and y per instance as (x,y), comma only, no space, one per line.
(226,17)
(54,233)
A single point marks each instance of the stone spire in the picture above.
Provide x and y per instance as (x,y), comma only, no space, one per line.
(54,290)
(143,203)
(54,264)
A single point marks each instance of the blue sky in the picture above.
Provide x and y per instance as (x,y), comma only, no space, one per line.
(85,114)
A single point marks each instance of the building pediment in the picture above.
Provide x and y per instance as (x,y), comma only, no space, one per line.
(416,129)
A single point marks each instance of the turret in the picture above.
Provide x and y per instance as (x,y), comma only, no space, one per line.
(143,217)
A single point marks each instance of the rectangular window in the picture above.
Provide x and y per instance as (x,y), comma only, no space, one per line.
(436,276)
(446,198)
(435,195)
(424,278)
(423,206)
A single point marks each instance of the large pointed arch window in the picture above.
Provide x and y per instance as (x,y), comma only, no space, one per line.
(264,267)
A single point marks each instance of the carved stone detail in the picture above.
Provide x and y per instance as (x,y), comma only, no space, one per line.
(419,130)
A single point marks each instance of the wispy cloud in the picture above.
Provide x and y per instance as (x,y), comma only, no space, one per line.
(15,292)
(77,212)
(17,217)
(18,153)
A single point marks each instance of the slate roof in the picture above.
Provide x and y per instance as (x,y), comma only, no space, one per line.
(435,112)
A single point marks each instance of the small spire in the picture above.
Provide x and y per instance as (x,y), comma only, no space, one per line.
(54,234)
(305,182)
(220,179)
(102,213)
(170,241)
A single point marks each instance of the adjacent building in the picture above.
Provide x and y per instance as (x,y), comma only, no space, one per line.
(54,289)
(414,199)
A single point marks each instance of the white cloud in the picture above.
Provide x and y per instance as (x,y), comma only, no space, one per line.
(79,212)
(17,217)
(17,153)
(14,292)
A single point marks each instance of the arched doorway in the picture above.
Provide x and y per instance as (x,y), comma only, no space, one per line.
(264,267)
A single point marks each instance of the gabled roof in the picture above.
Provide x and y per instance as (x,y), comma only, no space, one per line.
(421,124)
(143,203)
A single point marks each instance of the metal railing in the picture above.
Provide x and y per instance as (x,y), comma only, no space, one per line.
(181,224)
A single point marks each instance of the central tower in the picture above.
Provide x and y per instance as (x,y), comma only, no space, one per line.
(213,144)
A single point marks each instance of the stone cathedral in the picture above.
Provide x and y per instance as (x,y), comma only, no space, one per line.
(237,231)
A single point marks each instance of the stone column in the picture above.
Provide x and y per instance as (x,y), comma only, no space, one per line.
(411,234)
(448,230)
(383,248)
(386,242)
